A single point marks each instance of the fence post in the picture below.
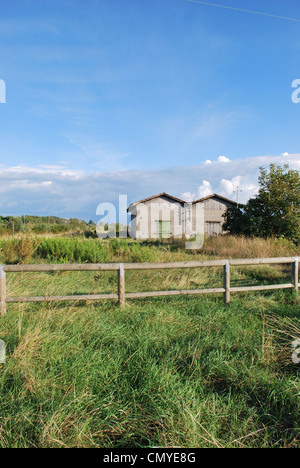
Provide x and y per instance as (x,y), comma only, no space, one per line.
(227,282)
(296,275)
(121,289)
(2,291)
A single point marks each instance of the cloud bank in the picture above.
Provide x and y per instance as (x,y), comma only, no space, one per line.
(58,190)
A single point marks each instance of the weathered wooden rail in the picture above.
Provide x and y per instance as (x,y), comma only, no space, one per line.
(122,267)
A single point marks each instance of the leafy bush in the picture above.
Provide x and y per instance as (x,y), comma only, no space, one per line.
(274,212)
(4,230)
(140,253)
(73,250)
(19,250)
(40,228)
(60,228)
(118,247)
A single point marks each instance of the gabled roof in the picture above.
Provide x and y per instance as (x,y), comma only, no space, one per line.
(178,200)
(163,194)
(214,195)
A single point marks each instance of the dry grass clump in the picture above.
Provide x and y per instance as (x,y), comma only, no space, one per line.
(19,250)
(229,246)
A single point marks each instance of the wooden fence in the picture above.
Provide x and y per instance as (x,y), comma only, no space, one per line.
(121,268)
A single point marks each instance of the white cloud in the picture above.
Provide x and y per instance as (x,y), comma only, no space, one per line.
(237,185)
(188,197)
(204,190)
(58,190)
(223,159)
(229,186)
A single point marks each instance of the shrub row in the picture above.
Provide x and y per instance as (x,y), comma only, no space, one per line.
(73,250)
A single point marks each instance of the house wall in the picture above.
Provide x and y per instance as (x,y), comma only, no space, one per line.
(144,225)
(185,219)
(214,209)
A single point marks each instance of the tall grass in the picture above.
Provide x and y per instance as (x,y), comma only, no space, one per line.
(184,372)
(71,250)
(19,250)
(245,247)
(29,248)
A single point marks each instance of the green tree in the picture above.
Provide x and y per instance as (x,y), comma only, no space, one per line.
(275,211)
(235,220)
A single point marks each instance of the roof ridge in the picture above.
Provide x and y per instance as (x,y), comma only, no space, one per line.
(157,196)
(182,201)
(213,195)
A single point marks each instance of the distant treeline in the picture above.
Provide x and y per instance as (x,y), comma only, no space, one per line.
(52,224)
(43,224)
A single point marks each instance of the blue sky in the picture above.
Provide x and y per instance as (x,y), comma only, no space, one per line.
(104,94)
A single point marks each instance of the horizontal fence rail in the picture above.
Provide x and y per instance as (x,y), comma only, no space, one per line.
(122,267)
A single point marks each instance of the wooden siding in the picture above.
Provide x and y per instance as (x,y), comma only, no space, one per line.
(213,228)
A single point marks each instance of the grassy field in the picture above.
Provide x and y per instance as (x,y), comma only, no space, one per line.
(183,371)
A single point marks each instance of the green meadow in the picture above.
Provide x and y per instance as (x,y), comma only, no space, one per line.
(185,371)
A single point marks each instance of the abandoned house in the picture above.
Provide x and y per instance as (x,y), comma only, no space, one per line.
(164,216)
